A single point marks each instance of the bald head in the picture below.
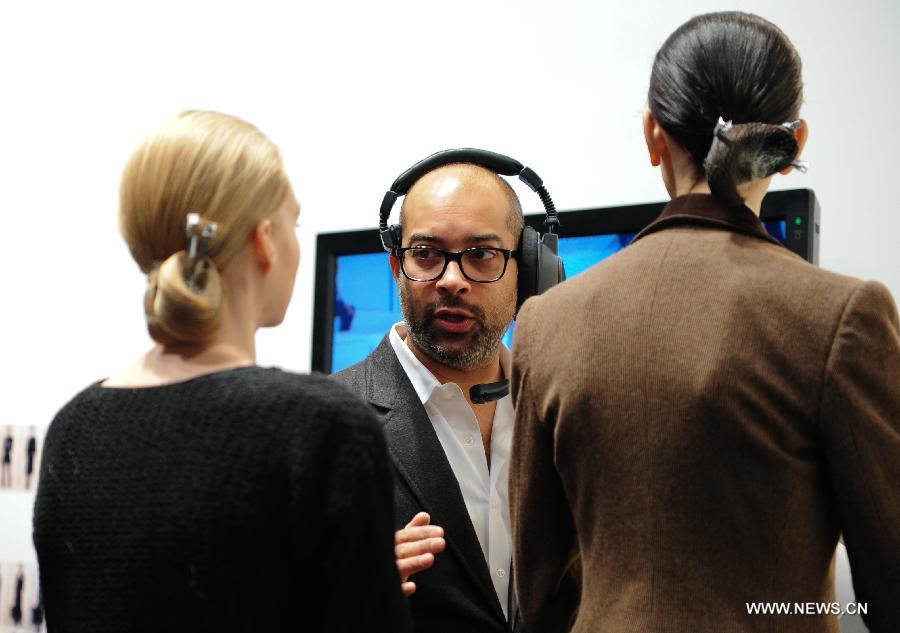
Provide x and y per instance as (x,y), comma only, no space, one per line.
(452,181)
(455,208)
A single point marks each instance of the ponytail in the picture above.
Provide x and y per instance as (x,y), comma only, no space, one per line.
(746,152)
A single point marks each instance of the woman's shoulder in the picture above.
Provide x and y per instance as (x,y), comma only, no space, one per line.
(312,395)
(84,406)
(234,392)
(85,402)
(249,401)
(313,388)
(311,410)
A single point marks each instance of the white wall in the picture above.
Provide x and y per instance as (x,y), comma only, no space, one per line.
(355,92)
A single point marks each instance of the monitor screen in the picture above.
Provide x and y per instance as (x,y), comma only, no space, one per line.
(357,300)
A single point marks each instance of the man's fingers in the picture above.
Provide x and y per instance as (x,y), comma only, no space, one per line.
(419,547)
(410,534)
(422,518)
(417,544)
(413,565)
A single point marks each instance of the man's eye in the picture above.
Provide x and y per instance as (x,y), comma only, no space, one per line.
(424,254)
(482,255)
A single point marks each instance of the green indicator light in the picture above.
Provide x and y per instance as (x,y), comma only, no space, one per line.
(798,220)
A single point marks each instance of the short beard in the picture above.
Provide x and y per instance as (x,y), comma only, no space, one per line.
(484,340)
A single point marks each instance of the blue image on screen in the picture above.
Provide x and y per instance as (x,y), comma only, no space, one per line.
(580,253)
(777,229)
(367,303)
(366,306)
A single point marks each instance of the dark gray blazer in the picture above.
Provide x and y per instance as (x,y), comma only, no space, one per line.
(456,594)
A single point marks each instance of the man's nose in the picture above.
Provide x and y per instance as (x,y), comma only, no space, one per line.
(453,282)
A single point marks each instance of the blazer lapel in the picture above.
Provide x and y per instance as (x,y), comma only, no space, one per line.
(422,464)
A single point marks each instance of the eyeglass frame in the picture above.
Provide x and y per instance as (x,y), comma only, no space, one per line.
(456,256)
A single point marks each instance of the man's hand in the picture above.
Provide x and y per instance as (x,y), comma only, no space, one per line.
(416,545)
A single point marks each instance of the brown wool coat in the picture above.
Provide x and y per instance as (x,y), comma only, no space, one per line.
(698,419)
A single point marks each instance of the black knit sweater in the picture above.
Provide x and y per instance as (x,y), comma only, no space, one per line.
(245,500)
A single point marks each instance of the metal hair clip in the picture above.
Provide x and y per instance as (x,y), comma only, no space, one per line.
(800,165)
(199,233)
(793,126)
(721,126)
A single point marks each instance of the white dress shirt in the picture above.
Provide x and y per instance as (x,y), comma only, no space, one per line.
(485,492)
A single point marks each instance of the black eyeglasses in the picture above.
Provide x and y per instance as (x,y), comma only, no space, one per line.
(481,265)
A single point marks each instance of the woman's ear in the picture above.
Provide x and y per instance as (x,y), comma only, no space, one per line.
(801,134)
(263,246)
(656,140)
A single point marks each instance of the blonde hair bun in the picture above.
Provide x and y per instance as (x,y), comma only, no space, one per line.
(179,312)
(212,163)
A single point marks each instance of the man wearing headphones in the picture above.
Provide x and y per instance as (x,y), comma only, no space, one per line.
(455,259)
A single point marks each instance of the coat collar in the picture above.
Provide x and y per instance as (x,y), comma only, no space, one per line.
(700,209)
(385,378)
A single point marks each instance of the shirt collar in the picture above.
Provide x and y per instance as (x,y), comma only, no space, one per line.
(701,209)
(423,381)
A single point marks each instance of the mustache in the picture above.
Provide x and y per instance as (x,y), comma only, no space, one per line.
(453,302)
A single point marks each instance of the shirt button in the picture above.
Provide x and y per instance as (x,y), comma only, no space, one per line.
(501,573)
(468,439)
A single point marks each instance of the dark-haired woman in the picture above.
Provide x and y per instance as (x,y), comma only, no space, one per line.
(195,490)
(719,412)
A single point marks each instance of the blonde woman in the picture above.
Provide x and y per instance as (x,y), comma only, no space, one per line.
(195,490)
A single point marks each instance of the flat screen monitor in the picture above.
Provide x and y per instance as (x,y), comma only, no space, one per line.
(356,300)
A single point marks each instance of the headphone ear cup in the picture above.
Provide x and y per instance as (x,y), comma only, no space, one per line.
(551,270)
(529,248)
(396,235)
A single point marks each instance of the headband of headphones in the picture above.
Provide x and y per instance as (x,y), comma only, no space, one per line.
(497,163)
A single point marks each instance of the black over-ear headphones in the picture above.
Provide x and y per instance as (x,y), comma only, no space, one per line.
(540,266)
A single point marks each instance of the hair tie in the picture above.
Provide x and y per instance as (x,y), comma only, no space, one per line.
(199,233)
(722,126)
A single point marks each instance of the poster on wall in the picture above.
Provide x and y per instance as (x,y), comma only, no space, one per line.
(20,456)
(21,609)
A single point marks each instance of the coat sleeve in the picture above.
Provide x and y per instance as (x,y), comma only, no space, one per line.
(353,547)
(860,423)
(545,550)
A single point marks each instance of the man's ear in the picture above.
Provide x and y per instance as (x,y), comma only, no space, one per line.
(656,140)
(395,267)
(801,134)
(263,246)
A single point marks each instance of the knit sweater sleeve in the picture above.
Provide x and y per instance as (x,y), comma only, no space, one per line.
(354,546)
